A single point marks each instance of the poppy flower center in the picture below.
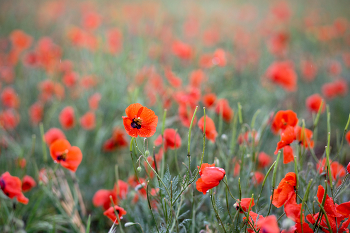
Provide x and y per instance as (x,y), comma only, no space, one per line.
(136,123)
(62,156)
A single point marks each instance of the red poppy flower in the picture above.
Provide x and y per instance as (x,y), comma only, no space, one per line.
(283,119)
(94,101)
(196,78)
(285,190)
(111,214)
(87,121)
(210,130)
(334,89)
(28,183)
(283,74)
(293,212)
(210,177)
(172,78)
(329,205)
(347,136)
(288,154)
(172,139)
(114,40)
(68,156)
(268,224)
(182,50)
(36,112)
(219,58)
(253,218)
(304,137)
(20,40)
(9,119)
(264,160)
(309,70)
(12,187)
(185,114)
(52,135)
(21,162)
(313,103)
(91,20)
(9,98)
(102,196)
(287,137)
(66,117)
(348,168)
(140,121)
(223,107)
(245,202)
(258,178)
(278,43)
(209,100)
(70,79)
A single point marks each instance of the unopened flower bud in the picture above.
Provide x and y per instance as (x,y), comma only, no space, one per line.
(147,153)
(139,169)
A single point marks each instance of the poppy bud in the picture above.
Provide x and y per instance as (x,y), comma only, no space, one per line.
(147,153)
(139,169)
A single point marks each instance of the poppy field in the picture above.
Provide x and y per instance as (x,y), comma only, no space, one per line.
(174,116)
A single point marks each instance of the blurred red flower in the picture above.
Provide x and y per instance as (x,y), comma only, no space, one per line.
(88,121)
(223,108)
(66,118)
(111,214)
(283,119)
(210,130)
(12,187)
(68,156)
(245,202)
(52,135)
(28,183)
(94,101)
(282,73)
(9,98)
(264,160)
(313,103)
(36,112)
(140,121)
(172,139)
(334,89)
(209,100)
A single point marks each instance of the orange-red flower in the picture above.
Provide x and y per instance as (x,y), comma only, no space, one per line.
(258,178)
(116,141)
(304,137)
(87,121)
(223,107)
(245,202)
(52,135)
(210,130)
(172,139)
(309,70)
(20,40)
(28,183)
(288,154)
(209,100)
(264,160)
(140,121)
(36,112)
(210,177)
(68,156)
(114,40)
(111,214)
(66,117)
(348,168)
(102,196)
(9,119)
(283,119)
(9,98)
(94,100)
(347,136)
(287,137)
(313,103)
(12,187)
(182,50)
(268,224)
(334,89)
(285,190)
(283,74)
